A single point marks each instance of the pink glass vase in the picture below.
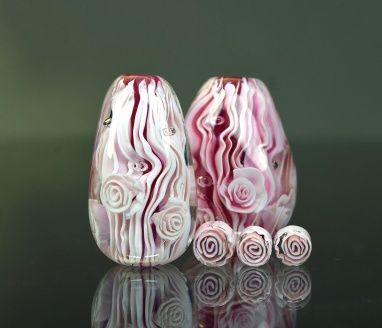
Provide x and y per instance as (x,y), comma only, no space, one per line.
(244,169)
(139,184)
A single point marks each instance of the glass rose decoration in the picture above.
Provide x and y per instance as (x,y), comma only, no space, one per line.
(246,192)
(293,245)
(254,246)
(118,192)
(171,222)
(214,243)
(140,178)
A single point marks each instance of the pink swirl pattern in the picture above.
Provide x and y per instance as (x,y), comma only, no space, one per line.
(264,297)
(293,287)
(254,285)
(254,247)
(293,245)
(214,243)
(213,286)
(244,315)
(140,180)
(244,169)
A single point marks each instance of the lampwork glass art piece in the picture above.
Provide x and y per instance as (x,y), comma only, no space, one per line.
(244,169)
(254,247)
(140,181)
(293,245)
(214,243)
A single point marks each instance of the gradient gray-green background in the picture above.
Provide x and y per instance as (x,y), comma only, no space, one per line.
(322,61)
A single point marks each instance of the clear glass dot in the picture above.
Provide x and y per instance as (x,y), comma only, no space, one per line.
(141,166)
(219,120)
(169,131)
(204,181)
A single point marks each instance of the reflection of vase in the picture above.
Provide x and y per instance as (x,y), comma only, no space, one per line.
(244,170)
(140,184)
(151,297)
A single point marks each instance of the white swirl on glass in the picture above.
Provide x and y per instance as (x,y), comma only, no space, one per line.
(254,247)
(214,243)
(293,245)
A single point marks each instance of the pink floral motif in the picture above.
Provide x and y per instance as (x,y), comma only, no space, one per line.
(254,247)
(173,220)
(293,245)
(214,243)
(246,193)
(118,192)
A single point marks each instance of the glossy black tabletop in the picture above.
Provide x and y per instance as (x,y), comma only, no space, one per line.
(52,271)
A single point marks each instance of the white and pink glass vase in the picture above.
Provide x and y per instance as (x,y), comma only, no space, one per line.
(244,170)
(140,180)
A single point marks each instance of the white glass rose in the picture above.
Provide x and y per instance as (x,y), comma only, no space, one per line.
(246,193)
(118,194)
(172,221)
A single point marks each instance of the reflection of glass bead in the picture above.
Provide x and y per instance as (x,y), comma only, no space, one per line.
(141,166)
(170,131)
(204,181)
